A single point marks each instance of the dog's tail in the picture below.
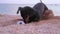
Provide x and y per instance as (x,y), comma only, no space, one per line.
(41,1)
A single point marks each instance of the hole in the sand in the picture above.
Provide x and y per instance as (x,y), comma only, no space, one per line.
(20,22)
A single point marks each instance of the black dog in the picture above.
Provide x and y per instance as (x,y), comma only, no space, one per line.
(29,14)
(41,7)
(33,14)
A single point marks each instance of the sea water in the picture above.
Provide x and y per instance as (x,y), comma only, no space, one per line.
(11,9)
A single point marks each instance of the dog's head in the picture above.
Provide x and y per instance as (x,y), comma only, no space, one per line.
(27,12)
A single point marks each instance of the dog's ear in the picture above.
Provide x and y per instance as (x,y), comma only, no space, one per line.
(19,9)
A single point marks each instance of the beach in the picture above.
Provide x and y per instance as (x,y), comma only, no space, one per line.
(8,25)
(8,19)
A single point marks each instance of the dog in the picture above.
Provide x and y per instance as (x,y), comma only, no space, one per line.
(29,14)
(38,12)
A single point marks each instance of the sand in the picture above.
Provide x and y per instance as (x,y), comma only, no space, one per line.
(8,19)
(8,25)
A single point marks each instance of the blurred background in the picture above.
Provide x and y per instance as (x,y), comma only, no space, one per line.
(10,7)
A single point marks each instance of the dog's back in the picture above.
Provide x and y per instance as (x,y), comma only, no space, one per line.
(40,7)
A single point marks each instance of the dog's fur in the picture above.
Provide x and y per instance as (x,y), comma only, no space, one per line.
(38,12)
(29,14)
(41,7)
